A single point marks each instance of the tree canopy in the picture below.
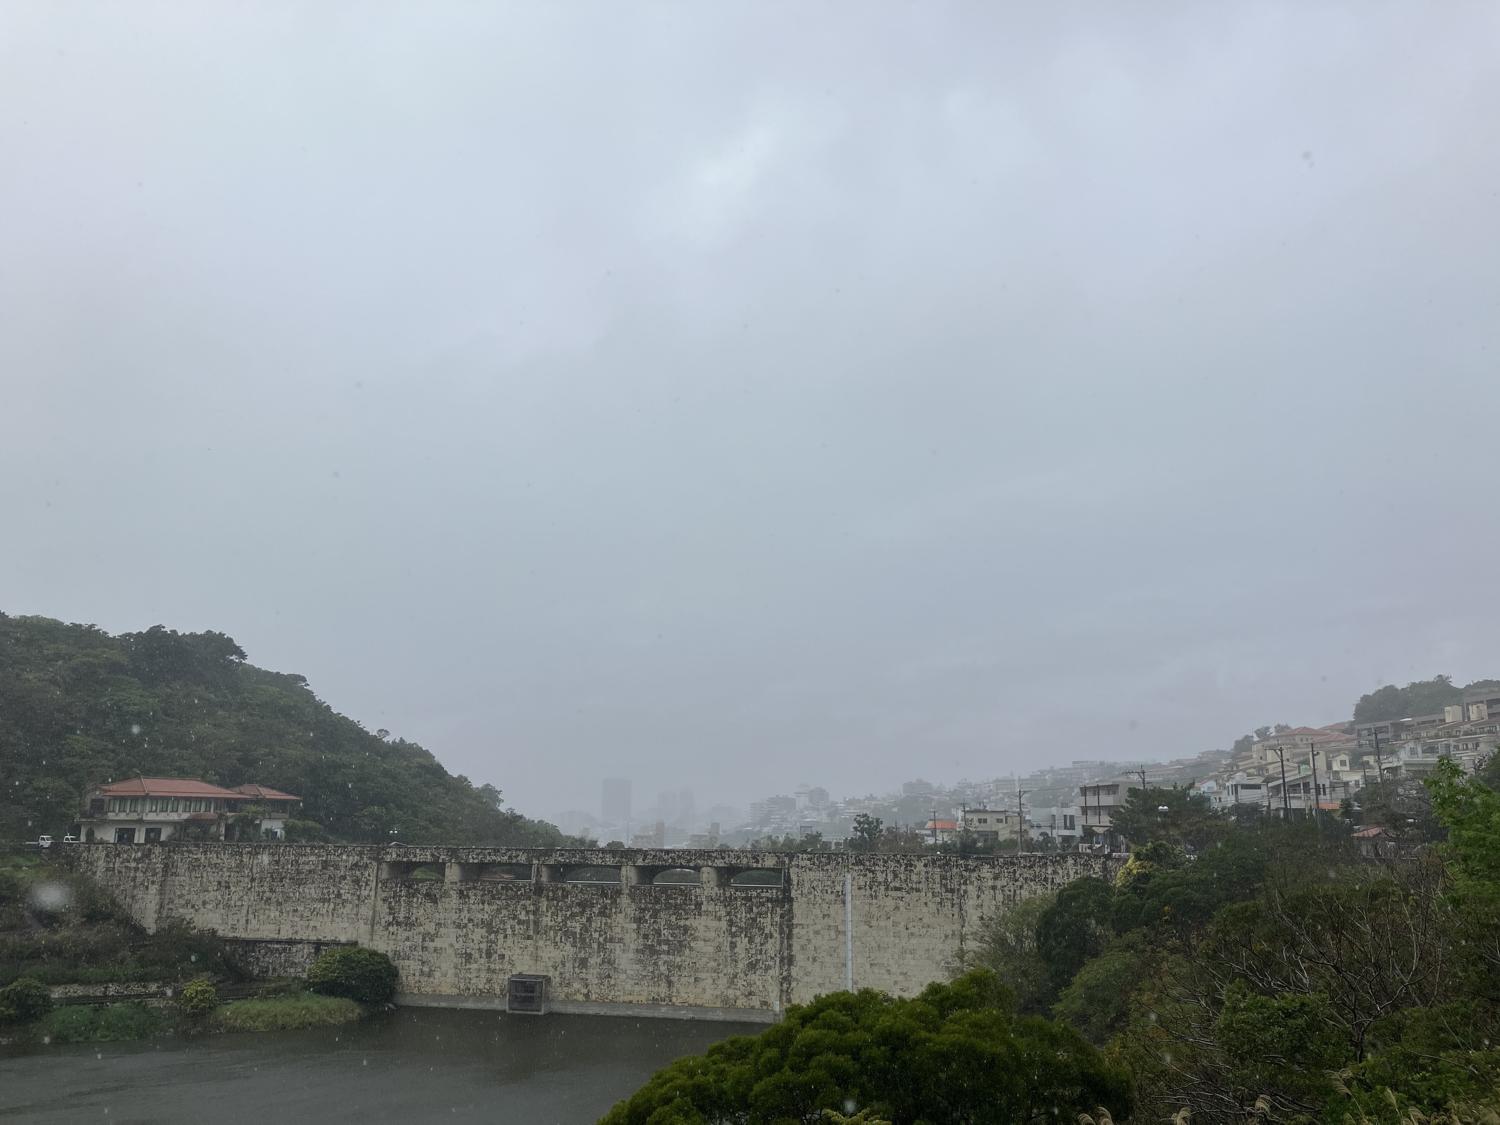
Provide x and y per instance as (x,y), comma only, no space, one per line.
(956,1053)
(1279,975)
(1159,813)
(1421,697)
(78,707)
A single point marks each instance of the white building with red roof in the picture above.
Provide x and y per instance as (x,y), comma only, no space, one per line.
(153,810)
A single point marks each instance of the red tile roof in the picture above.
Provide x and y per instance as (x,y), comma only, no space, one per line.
(265,792)
(166,787)
(942,825)
(187,787)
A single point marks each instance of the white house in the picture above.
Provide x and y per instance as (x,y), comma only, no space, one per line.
(153,810)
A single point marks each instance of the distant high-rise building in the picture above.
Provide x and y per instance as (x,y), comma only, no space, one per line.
(614,805)
(666,806)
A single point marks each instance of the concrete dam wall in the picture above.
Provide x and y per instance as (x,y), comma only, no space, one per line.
(728,934)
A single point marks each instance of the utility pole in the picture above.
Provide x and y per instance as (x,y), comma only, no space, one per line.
(1281,757)
(1379,765)
(1312,755)
(1020,818)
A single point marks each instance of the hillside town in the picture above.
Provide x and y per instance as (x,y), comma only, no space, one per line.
(1279,770)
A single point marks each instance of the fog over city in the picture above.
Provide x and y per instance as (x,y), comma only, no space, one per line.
(735,396)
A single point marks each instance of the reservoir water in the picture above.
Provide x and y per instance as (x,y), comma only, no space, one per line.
(416,1064)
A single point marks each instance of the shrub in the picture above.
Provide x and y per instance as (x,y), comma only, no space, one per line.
(199,997)
(307,832)
(81,1024)
(24,1000)
(178,950)
(366,975)
(286,1013)
(127,1021)
(73,1024)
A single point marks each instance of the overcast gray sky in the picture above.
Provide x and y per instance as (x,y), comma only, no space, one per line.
(735,395)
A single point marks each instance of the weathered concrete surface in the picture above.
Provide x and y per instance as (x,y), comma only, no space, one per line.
(709,945)
(276,957)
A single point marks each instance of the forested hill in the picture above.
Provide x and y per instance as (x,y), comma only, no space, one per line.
(1422,697)
(79,706)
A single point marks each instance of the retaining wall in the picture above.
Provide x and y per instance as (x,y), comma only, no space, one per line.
(459,921)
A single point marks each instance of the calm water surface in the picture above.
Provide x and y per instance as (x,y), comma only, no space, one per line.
(418,1064)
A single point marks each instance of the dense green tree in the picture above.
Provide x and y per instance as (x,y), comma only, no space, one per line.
(1097,1001)
(1328,988)
(1073,928)
(1421,697)
(1287,1043)
(955,1055)
(1470,811)
(1489,770)
(1402,805)
(1185,897)
(1008,948)
(1159,813)
(867,832)
(1277,975)
(1148,861)
(78,706)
